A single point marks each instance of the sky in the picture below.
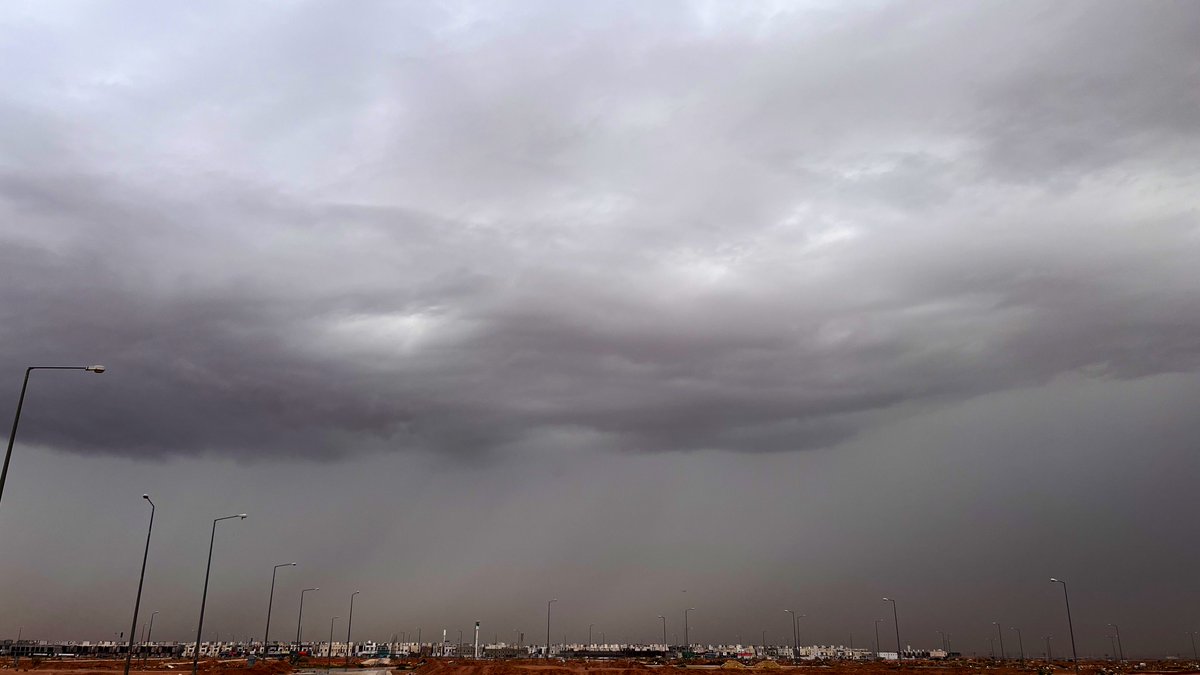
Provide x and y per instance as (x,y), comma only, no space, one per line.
(642,306)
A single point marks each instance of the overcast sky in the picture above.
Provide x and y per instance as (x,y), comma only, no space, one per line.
(784,305)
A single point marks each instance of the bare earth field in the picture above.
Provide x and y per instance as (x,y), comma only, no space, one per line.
(581,667)
(730,668)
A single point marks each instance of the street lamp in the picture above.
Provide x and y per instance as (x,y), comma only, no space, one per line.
(1049,654)
(1001,634)
(877,649)
(270,602)
(204,597)
(1192,635)
(1020,643)
(795,637)
(551,602)
(665,645)
(896,621)
(687,643)
(943,636)
(350,622)
(300,616)
(1070,625)
(1120,649)
(329,651)
(12,435)
(149,632)
(138,602)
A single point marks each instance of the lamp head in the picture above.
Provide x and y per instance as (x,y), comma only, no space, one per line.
(95,369)
(145,496)
(242,516)
(1053,580)
(292,564)
(886,600)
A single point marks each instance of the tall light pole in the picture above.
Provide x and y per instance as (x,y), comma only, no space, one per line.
(300,617)
(138,602)
(665,645)
(877,649)
(329,651)
(687,643)
(948,636)
(270,602)
(1001,634)
(1120,649)
(12,435)
(350,622)
(590,635)
(204,596)
(551,602)
(149,632)
(1192,635)
(1070,625)
(943,636)
(1020,643)
(795,637)
(896,622)
(1049,654)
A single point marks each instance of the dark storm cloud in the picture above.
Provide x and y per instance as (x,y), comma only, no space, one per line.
(316,232)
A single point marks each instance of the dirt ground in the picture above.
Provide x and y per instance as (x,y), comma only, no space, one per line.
(584,667)
(514,667)
(154,666)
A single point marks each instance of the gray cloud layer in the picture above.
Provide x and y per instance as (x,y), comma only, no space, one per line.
(309,231)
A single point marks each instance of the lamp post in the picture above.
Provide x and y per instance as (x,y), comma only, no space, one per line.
(665,645)
(1020,643)
(300,617)
(687,643)
(1001,634)
(1120,649)
(1192,635)
(943,637)
(270,602)
(795,636)
(551,602)
(12,435)
(350,622)
(948,636)
(896,622)
(204,596)
(877,650)
(1070,625)
(1049,654)
(141,579)
(329,650)
(150,630)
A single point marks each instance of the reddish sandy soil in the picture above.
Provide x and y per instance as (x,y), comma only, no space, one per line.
(830,668)
(556,667)
(155,666)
